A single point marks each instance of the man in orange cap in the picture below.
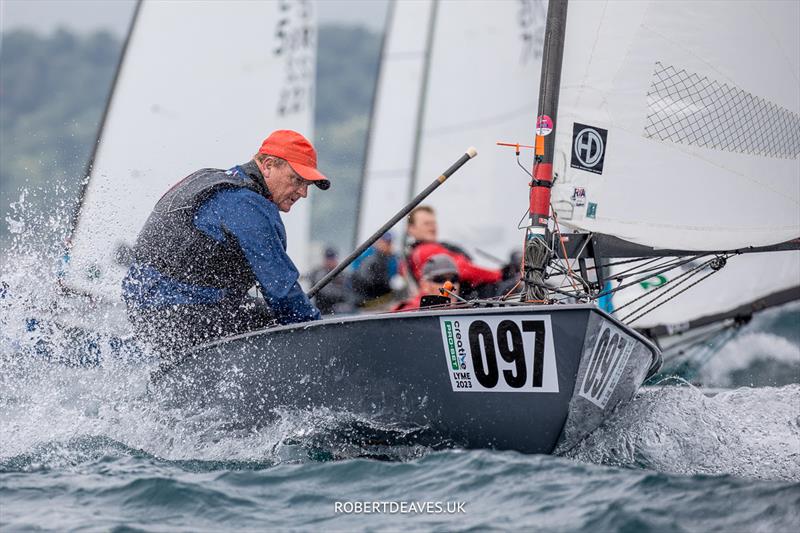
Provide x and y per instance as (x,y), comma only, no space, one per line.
(214,236)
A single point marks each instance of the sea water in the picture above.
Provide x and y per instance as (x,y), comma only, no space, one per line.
(83,448)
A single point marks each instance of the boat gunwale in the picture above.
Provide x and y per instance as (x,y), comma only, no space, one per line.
(515,309)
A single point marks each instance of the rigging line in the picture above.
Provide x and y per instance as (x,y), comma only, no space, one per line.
(582,248)
(625,286)
(559,291)
(668,263)
(672,285)
(421,107)
(677,350)
(560,270)
(522,167)
(506,295)
(660,287)
(660,269)
(668,299)
(722,338)
(625,262)
(75,216)
(691,273)
(633,268)
(653,264)
(563,248)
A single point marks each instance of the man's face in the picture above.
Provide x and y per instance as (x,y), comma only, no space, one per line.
(431,286)
(384,246)
(424,226)
(285,185)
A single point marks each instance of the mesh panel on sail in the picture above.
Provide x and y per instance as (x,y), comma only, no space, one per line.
(688,108)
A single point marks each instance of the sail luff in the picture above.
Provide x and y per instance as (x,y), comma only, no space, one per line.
(420,118)
(390,13)
(87,173)
(390,139)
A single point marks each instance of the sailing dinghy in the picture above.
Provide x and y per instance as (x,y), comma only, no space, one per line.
(681,102)
(529,376)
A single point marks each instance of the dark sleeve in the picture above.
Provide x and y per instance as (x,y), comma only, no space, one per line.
(255,222)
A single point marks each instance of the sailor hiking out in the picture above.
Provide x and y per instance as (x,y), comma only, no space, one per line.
(214,236)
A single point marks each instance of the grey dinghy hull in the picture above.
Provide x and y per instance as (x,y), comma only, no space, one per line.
(527,378)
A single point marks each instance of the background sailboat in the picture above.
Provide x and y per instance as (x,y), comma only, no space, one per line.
(455,74)
(190,95)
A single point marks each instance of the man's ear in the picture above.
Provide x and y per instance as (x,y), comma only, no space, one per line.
(265,167)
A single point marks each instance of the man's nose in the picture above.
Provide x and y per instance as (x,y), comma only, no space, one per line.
(304,190)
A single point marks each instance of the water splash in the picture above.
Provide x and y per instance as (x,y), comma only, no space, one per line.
(753,433)
(57,416)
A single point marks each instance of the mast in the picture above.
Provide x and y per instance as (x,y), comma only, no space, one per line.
(537,252)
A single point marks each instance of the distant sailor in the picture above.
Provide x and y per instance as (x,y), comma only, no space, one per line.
(422,232)
(438,270)
(213,237)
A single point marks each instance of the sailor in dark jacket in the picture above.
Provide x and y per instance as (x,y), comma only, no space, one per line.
(213,237)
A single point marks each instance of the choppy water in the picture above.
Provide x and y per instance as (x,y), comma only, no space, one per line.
(83,448)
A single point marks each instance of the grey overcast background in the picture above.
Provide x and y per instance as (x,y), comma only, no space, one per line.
(114,15)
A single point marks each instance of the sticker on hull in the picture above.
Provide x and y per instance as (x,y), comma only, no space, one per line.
(609,355)
(500,354)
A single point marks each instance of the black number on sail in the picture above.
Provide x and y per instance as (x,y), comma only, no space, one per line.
(537,327)
(487,374)
(512,352)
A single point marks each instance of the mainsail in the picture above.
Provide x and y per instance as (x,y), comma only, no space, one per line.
(200,85)
(679,128)
(455,74)
(678,122)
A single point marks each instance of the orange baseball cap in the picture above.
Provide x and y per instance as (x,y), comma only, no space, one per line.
(298,152)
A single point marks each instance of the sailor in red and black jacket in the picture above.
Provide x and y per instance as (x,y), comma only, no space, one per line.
(422,230)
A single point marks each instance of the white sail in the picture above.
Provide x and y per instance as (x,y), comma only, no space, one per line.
(678,122)
(201,85)
(390,153)
(481,87)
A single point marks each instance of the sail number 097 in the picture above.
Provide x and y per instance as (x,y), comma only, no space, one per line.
(512,350)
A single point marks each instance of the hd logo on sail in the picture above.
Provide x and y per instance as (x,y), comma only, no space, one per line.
(588,148)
